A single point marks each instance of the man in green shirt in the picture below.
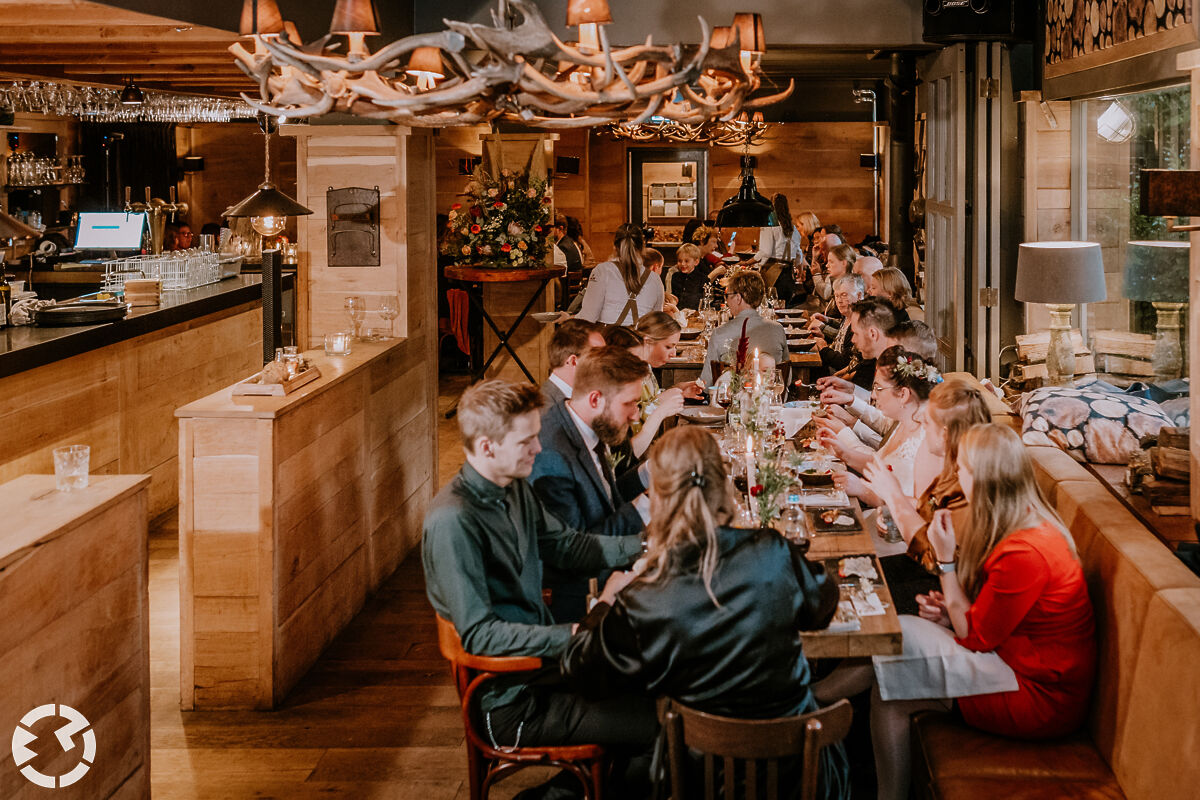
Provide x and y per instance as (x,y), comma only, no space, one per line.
(485,537)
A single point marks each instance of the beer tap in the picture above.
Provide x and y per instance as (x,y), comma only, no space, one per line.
(157,212)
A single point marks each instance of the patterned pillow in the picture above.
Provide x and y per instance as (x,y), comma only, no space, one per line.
(1091,425)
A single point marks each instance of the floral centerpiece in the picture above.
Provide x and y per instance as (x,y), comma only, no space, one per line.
(503,223)
(774,478)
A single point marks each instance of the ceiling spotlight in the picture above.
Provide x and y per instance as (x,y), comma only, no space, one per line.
(131,95)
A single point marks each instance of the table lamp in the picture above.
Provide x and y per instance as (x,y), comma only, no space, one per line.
(1060,275)
(1157,273)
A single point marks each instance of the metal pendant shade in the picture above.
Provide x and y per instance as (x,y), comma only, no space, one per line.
(260,17)
(354,16)
(267,201)
(748,208)
(13,228)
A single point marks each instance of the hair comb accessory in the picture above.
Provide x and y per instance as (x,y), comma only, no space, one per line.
(696,479)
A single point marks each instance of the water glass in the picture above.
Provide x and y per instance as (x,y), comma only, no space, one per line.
(71,467)
(389,309)
(356,307)
(338,343)
(891,533)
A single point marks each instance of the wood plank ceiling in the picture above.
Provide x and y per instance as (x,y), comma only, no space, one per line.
(83,42)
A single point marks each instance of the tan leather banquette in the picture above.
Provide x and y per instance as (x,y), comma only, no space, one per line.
(1143,738)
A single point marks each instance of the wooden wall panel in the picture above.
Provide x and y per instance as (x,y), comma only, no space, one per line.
(121,399)
(1047,185)
(73,592)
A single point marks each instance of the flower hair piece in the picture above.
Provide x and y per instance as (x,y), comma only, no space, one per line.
(917,368)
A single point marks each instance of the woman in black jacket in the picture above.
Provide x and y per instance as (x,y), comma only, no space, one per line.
(713,618)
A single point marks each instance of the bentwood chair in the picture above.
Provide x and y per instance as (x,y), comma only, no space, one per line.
(751,743)
(488,765)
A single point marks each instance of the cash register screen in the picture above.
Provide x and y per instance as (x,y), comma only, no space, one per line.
(109,230)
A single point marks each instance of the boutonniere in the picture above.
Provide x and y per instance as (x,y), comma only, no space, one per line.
(614,460)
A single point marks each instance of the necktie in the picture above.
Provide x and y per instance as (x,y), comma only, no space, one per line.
(601,451)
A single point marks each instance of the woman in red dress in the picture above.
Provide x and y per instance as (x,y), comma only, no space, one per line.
(1022,658)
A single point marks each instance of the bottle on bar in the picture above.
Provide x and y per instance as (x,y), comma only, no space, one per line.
(5,300)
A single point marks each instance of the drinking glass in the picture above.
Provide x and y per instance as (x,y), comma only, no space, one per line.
(389,309)
(338,343)
(356,307)
(772,298)
(71,467)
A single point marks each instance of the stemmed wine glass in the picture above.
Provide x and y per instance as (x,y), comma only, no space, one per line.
(389,309)
(356,307)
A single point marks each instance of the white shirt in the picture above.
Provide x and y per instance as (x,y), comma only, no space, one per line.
(563,387)
(590,440)
(606,296)
(773,244)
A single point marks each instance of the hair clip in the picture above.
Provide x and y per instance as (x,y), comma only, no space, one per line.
(696,479)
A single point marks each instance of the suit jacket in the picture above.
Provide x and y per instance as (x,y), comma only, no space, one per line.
(768,337)
(552,395)
(565,478)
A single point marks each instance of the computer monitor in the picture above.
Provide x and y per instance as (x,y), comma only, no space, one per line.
(110,230)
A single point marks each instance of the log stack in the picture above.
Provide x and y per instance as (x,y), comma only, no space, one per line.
(1162,472)
(1030,366)
(1124,357)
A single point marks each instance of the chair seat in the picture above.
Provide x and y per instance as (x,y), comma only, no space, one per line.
(952,749)
(577,752)
(1025,789)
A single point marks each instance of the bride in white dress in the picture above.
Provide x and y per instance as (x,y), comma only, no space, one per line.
(902,384)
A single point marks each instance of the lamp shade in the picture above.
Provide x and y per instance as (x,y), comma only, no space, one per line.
(719,39)
(748,208)
(354,16)
(131,95)
(1060,272)
(270,21)
(13,228)
(267,202)
(582,12)
(1157,272)
(750,27)
(426,60)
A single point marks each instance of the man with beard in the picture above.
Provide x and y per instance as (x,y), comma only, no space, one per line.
(486,538)
(575,475)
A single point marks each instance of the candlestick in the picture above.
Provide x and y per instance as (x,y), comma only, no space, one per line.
(757,370)
(751,472)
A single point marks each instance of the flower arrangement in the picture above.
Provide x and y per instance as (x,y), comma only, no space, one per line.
(917,368)
(504,222)
(774,479)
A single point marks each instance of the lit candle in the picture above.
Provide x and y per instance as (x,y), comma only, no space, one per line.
(751,472)
(757,370)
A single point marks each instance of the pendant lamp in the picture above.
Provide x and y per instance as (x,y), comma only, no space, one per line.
(747,208)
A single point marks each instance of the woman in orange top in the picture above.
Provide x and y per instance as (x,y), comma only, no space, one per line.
(1020,655)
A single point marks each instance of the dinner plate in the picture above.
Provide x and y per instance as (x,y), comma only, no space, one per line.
(703,414)
(545,316)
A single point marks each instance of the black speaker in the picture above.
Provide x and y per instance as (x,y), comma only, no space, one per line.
(566,165)
(947,21)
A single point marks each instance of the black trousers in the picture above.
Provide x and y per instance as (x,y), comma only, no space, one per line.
(548,714)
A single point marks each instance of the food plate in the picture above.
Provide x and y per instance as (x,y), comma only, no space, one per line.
(545,316)
(703,414)
(834,520)
(816,475)
(690,333)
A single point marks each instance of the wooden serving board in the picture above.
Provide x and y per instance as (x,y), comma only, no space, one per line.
(250,386)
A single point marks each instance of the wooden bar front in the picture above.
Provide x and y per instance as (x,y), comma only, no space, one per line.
(292,509)
(73,594)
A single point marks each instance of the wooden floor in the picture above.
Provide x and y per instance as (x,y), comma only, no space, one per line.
(376,717)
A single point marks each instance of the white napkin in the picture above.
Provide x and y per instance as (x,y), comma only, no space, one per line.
(794,419)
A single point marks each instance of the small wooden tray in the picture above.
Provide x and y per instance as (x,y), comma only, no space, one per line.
(250,386)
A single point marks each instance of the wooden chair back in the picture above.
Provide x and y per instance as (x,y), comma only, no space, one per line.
(751,742)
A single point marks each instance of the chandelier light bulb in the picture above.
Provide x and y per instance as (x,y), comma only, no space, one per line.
(268,227)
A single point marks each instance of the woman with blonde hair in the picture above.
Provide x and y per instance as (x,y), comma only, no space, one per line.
(710,620)
(1012,628)
(622,289)
(890,284)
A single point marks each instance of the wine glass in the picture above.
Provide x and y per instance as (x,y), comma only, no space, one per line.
(723,395)
(389,309)
(356,307)
(772,298)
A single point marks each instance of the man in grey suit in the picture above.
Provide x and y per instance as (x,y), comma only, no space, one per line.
(570,341)
(743,296)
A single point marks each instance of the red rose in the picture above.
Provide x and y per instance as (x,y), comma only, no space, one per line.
(756,490)
(537,228)
(475,229)
(497,204)
(504,248)
(456,206)
(476,211)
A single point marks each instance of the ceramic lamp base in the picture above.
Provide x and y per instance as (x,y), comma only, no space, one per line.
(1167,358)
(1060,358)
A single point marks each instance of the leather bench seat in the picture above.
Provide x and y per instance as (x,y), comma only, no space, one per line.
(1025,789)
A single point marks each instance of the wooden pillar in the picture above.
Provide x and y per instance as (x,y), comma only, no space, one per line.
(399,162)
(1190,62)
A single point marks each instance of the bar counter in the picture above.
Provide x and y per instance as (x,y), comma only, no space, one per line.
(291,511)
(115,386)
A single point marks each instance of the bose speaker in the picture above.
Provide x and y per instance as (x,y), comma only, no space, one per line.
(947,21)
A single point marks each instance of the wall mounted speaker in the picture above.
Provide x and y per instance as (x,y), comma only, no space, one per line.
(566,165)
(946,21)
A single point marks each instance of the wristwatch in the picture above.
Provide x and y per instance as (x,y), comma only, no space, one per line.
(946,567)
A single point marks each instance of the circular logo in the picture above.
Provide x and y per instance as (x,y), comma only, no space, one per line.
(76,723)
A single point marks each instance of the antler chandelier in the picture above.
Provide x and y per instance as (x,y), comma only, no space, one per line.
(515,68)
(744,131)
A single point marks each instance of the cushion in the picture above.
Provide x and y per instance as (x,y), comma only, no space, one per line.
(1024,789)
(1091,425)
(1179,410)
(1052,466)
